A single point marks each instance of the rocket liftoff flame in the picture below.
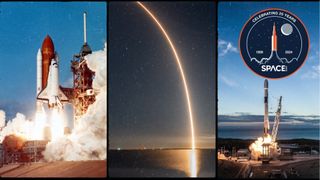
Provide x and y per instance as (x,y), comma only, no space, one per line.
(39,124)
(183,79)
(56,124)
(257,149)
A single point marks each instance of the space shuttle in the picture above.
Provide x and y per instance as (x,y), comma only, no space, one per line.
(48,89)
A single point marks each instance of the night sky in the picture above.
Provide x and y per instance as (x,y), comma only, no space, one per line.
(147,104)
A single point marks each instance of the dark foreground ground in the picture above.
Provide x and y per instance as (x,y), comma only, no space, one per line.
(304,165)
(304,169)
(56,169)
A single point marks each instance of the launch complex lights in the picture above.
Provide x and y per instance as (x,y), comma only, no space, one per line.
(193,163)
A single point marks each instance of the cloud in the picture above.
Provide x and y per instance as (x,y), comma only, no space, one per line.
(251,123)
(307,118)
(225,47)
(89,137)
(314,56)
(313,73)
(293,122)
(242,114)
(314,52)
(228,81)
(259,123)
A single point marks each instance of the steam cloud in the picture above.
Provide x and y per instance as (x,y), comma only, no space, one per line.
(2,118)
(256,148)
(19,126)
(88,139)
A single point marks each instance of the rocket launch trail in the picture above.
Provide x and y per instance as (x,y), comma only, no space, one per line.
(180,68)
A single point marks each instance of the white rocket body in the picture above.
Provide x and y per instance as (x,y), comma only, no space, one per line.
(266,125)
(39,71)
(52,94)
(39,106)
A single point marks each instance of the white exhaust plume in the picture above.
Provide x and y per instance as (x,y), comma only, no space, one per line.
(256,147)
(2,119)
(88,140)
(19,126)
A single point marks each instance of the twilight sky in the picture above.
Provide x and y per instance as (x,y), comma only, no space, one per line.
(240,91)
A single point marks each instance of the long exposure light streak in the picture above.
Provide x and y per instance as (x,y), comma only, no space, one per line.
(182,76)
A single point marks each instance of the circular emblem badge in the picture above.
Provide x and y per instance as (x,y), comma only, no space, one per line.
(274,43)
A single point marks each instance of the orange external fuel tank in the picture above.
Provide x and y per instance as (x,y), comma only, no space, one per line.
(47,51)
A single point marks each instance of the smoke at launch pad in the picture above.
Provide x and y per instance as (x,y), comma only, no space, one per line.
(88,139)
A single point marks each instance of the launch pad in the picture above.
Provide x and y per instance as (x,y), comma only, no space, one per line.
(17,149)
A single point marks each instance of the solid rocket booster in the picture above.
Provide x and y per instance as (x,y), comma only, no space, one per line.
(274,39)
(39,79)
(266,112)
(39,71)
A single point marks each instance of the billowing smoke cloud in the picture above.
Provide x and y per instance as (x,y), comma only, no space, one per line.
(2,118)
(89,138)
(19,126)
(256,148)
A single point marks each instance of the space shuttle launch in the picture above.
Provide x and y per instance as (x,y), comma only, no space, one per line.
(266,112)
(48,89)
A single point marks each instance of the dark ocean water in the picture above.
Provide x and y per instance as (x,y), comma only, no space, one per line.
(251,127)
(283,133)
(160,163)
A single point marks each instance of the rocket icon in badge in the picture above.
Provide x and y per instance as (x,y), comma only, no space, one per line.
(274,39)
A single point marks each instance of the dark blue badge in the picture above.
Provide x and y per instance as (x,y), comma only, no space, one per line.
(274,43)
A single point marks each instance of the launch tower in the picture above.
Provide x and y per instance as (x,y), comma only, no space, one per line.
(83,94)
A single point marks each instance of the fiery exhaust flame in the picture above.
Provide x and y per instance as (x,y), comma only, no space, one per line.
(22,127)
(182,76)
(88,139)
(39,123)
(256,147)
(56,124)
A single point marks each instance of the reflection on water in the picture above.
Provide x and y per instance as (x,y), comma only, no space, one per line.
(184,161)
(161,163)
(193,163)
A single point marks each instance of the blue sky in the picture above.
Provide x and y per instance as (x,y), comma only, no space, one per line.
(240,91)
(23,28)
